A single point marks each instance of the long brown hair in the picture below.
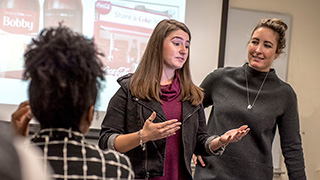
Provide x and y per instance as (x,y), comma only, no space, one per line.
(145,83)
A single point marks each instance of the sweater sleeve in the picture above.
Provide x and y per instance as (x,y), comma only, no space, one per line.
(207,89)
(289,131)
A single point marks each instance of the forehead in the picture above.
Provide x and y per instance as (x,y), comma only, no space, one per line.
(264,33)
(178,33)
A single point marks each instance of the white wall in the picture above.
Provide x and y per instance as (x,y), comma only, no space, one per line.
(203,17)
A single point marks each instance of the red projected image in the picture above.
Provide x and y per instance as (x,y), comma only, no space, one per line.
(19,20)
(120,32)
(119,28)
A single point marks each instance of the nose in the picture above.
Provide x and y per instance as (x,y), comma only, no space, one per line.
(258,48)
(184,50)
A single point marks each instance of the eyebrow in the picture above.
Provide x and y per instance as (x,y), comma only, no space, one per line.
(178,37)
(264,41)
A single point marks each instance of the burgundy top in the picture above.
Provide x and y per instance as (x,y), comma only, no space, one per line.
(171,105)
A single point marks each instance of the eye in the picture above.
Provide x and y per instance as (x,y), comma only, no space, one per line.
(267,46)
(254,42)
(176,43)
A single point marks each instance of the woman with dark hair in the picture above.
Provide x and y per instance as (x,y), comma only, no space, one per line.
(65,70)
(254,95)
(156,117)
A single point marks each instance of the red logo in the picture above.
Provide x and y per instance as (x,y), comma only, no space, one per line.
(103,7)
(18,21)
(121,71)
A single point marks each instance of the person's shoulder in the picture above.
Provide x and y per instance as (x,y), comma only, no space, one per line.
(285,88)
(281,84)
(222,71)
(125,80)
(228,69)
(125,77)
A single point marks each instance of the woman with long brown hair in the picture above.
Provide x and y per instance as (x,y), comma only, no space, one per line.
(156,117)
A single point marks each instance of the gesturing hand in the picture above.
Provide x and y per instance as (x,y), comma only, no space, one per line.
(20,119)
(234,135)
(155,131)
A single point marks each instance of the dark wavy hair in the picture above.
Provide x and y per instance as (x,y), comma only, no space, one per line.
(64,68)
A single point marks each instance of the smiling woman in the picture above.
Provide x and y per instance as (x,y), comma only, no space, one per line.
(272,104)
(266,44)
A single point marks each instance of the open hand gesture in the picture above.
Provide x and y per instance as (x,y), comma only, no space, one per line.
(155,131)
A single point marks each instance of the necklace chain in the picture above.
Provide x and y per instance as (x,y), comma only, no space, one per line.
(250,106)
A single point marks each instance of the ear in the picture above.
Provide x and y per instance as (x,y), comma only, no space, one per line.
(277,55)
(90,115)
(87,120)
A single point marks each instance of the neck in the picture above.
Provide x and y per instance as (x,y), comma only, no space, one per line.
(167,77)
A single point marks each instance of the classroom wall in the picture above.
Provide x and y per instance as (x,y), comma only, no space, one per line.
(303,69)
(203,18)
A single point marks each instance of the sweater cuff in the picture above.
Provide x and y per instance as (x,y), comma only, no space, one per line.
(111,141)
(217,152)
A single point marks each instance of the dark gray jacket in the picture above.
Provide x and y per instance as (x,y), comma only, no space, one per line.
(126,114)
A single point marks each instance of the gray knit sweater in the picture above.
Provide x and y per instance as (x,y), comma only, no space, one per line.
(251,158)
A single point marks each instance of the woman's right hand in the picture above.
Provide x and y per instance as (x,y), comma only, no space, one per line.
(149,132)
(154,131)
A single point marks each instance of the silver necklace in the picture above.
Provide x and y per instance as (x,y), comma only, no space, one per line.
(250,106)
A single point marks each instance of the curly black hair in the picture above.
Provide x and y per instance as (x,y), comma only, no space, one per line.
(64,68)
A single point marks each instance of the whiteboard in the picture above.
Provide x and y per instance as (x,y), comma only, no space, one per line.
(115,25)
(239,27)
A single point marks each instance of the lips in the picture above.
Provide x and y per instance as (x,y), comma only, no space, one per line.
(258,58)
(180,58)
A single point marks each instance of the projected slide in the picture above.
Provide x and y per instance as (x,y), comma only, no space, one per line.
(120,28)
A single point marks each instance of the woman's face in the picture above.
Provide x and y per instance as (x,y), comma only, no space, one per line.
(262,49)
(175,50)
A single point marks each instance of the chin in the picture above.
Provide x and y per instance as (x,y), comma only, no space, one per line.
(256,65)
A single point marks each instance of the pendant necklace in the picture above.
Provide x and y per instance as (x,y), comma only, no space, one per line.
(250,106)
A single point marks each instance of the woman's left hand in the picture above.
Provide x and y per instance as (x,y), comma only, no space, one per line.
(234,135)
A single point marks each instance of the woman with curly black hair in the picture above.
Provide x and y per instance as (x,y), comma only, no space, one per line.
(65,70)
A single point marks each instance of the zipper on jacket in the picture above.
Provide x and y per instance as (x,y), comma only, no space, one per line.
(191,114)
(182,129)
(145,151)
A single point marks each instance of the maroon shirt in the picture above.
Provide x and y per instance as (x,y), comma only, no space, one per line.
(172,107)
